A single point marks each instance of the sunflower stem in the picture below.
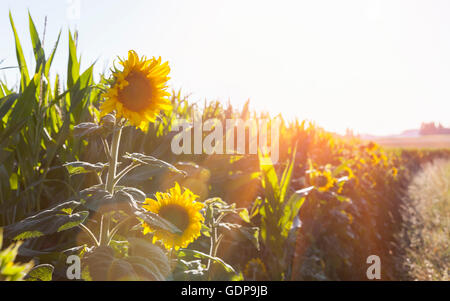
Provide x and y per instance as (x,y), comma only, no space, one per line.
(113,159)
(105,220)
(126,170)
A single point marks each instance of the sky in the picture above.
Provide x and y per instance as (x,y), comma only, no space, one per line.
(377,67)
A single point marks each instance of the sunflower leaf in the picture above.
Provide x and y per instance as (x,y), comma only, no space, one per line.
(103,265)
(46,222)
(42,272)
(87,129)
(157,222)
(137,194)
(198,254)
(80,167)
(96,198)
(149,160)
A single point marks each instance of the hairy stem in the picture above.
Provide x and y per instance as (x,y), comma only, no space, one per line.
(105,220)
(113,160)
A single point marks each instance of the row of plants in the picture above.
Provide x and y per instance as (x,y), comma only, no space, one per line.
(87,169)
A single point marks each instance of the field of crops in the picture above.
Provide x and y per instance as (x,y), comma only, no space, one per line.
(91,189)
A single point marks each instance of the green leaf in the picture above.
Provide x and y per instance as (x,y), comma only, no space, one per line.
(189,270)
(137,194)
(42,272)
(37,46)
(6,104)
(252,234)
(103,265)
(156,221)
(146,268)
(50,59)
(149,160)
(13,181)
(80,167)
(291,210)
(26,102)
(24,77)
(198,254)
(73,70)
(87,129)
(286,178)
(96,198)
(269,179)
(150,169)
(47,222)
(244,215)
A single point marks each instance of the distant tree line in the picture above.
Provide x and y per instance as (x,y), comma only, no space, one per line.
(432,129)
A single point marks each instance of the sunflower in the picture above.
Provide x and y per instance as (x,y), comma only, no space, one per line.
(182,211)
(323,181)
(138,92)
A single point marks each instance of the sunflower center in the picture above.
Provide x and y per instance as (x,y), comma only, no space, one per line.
(136,96)
(175,214)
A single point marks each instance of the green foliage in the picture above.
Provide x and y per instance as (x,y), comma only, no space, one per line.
(145,261)
(47,222)
(35,127)
(42,272)
(277,216)
(315,215)
(9,270)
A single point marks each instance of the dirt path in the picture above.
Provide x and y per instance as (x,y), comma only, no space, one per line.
(427,224)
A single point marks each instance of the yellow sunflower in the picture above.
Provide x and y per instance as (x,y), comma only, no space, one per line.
(138,92)
(181,210)
(323,181)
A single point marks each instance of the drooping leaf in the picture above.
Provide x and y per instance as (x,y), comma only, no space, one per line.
(80,167)
(137,194)
(252,234)
(103,265)
(86,129)
(198,254)
(42,272)
(149,160)
(56,219)
(156,222)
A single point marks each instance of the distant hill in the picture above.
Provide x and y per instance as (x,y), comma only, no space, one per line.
(431,128)
(421,141)
(410,133)
(429,135)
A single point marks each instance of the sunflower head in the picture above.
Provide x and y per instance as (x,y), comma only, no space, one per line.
(323,181)
(138,91)
(180,209)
